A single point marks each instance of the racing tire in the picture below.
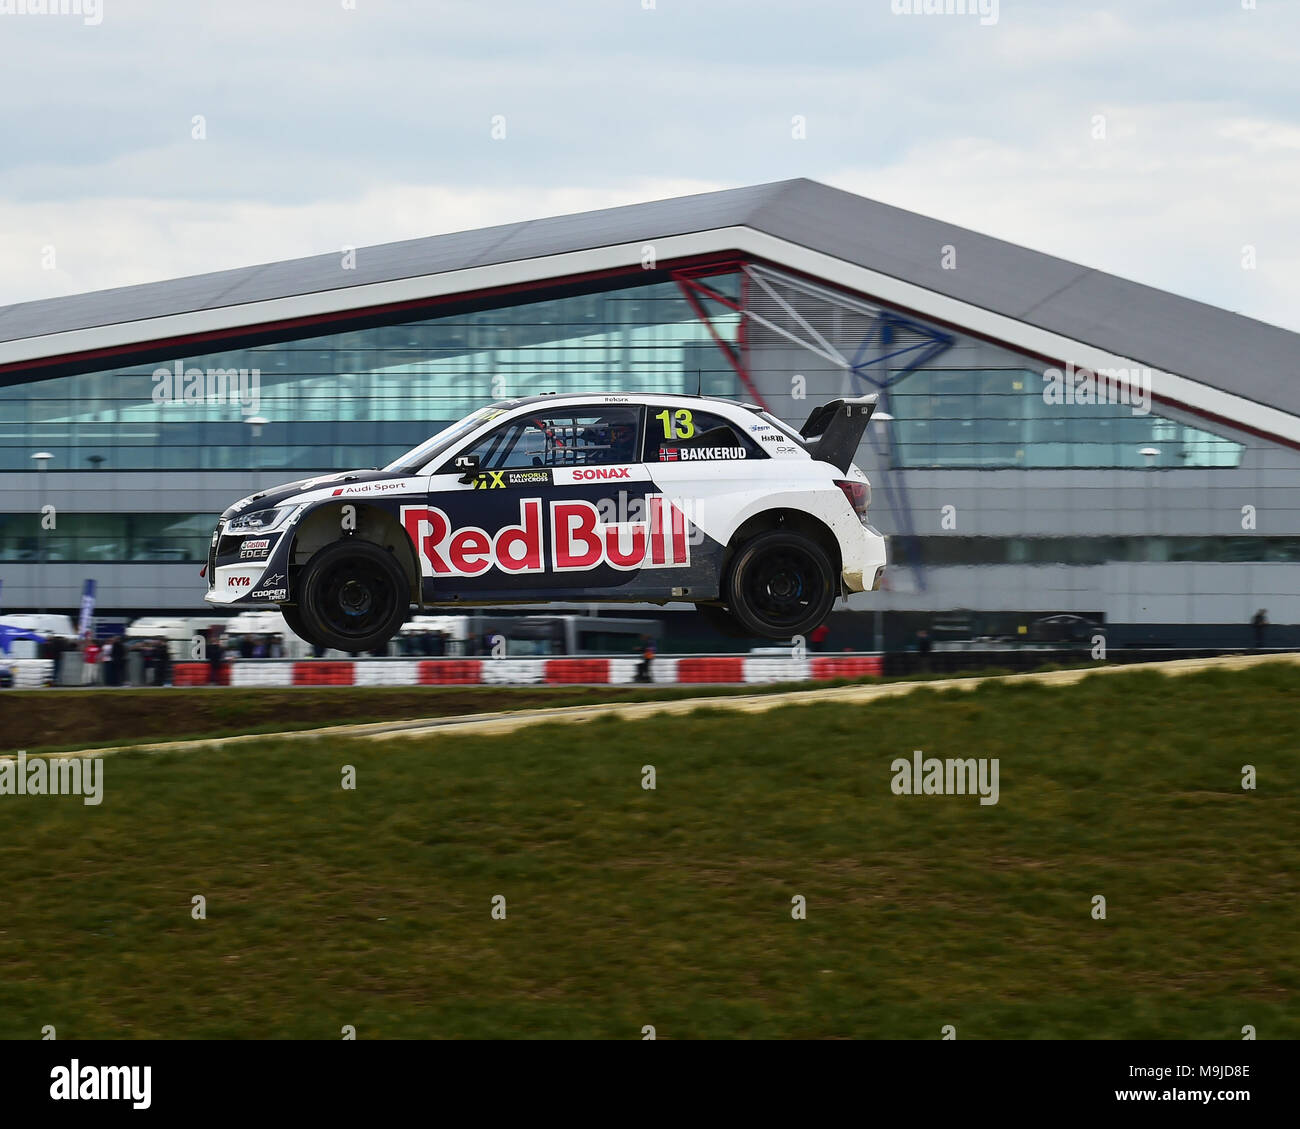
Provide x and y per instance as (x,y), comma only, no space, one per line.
(352,596)
(293,617)
(781,585)
(722,621)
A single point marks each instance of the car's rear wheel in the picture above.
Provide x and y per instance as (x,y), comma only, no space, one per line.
(353,596)
(781,585)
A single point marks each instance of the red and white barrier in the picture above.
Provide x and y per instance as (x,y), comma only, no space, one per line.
(576,671)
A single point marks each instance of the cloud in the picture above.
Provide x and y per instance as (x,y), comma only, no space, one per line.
(120,242)
(329,127)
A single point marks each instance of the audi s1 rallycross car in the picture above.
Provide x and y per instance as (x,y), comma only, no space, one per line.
(620,498)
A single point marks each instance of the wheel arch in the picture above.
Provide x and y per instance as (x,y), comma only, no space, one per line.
(781,518)
(325,524)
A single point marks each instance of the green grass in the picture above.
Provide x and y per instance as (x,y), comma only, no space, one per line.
(59,720)
(671,907)
(49,720)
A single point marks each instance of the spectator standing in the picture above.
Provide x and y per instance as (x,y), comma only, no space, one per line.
(214,656)
(1259,622)
(117,661)
(643,669)
(56,645)
(90,669)
(923,645)
(162,662)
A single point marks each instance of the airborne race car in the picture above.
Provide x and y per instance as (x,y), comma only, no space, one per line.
(638,498)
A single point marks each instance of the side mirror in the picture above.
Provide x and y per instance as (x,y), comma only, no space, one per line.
(468,465)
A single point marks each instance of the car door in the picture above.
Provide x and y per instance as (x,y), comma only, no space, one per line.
(703,464)
(555,508)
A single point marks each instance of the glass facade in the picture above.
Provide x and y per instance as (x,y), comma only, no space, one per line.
(183,538)
(950,418)
(976,551)
(120,538)
(362,398)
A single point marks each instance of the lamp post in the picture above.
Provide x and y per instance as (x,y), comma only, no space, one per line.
(881,420)
(1150,454)
(41,458)
(256,423)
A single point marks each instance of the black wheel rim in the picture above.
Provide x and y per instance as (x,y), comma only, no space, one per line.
(354,596)
(783,586)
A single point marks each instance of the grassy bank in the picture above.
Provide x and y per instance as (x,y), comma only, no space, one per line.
(672,907)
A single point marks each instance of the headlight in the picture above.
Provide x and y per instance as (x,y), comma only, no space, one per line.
(260,520)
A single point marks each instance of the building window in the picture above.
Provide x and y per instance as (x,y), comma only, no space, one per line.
(363,397)
(973,418)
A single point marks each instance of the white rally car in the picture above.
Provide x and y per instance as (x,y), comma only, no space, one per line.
(627,498)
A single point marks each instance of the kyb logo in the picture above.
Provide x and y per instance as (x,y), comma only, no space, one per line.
(579,540)
(239,582)
(102,1083)
(1128,386)
(930,776)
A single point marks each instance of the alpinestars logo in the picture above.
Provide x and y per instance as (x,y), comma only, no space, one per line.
(579,541)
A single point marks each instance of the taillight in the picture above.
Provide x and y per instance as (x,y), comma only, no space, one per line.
(858,494)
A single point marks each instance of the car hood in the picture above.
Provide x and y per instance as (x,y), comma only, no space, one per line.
(278,495)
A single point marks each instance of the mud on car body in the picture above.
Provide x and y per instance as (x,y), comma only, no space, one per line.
(591,498)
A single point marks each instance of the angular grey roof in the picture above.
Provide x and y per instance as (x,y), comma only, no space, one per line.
(1153,327)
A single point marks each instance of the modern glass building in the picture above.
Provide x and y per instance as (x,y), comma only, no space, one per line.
(1050,440)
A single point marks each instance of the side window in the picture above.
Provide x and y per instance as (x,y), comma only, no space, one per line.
(685,434)
(574,437)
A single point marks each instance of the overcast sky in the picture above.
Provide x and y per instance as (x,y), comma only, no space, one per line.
(1157,139)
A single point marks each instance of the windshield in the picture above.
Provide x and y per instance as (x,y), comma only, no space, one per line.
(431,448)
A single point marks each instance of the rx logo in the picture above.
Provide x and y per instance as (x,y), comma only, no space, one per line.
(490,480)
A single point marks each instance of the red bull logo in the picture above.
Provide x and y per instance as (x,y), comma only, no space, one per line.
(579,540)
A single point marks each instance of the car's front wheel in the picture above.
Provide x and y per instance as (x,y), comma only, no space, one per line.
(353,596)
(781,585)
(293,618)
(722,621)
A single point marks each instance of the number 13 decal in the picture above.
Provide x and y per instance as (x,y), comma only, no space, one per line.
(678,424)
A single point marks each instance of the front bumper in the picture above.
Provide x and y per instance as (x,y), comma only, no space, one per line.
(246,570)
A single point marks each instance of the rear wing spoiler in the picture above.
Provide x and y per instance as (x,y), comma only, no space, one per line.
(834,430)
